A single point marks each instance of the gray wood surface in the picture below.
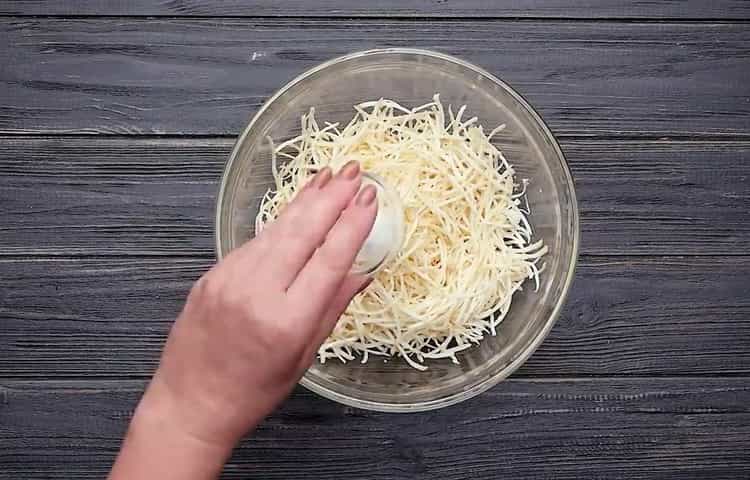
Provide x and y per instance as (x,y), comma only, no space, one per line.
(105,317)
(207,76)
(681,428)
(117,116)
(586,9)
(120,196)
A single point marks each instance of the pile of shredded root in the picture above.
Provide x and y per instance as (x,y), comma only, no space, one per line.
(468,245)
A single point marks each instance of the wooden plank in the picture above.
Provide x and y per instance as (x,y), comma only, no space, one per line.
(97,196)
(625,316)
(690,9)
(67,195)
(609,428)
(207,76)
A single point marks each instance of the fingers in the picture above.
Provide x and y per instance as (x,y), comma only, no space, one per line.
(302,227)
(319,280)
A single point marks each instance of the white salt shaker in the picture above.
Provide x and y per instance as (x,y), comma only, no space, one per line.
(387,234)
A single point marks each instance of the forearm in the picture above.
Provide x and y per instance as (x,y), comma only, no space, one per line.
(222,369)
(157,446)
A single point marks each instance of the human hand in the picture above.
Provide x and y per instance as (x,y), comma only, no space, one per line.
(252,325)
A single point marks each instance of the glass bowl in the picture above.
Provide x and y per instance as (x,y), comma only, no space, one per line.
(411,77)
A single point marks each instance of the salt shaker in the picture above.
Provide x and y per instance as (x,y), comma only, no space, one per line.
(387,234)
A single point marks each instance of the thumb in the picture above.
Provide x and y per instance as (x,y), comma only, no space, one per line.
(353,285)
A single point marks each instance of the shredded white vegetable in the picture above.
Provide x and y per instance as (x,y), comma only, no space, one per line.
(467,247)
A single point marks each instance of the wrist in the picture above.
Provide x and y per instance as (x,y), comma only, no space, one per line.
(160,443)
(182,418)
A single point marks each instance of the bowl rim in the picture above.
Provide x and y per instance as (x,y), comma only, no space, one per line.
(521,358)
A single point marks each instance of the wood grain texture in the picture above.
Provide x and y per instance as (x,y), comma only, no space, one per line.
(66,195)
(207,76)
(101,238)
(616,428)
(97,196)
(588,9)
(624,316)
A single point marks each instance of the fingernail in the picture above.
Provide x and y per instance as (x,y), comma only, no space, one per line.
(366,196)
(321,178)
(350,170)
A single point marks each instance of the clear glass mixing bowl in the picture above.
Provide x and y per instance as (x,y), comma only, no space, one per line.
(412,77)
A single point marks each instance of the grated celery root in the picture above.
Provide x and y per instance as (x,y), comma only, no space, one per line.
(468,245)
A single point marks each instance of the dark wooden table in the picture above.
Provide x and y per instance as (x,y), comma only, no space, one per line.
(116,118)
